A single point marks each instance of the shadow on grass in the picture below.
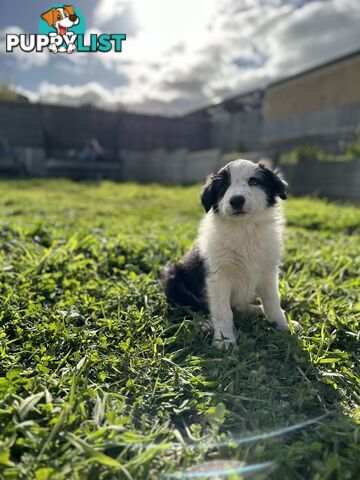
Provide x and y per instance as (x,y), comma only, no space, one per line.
(272,411)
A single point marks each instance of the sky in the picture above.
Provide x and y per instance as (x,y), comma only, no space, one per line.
(179,55)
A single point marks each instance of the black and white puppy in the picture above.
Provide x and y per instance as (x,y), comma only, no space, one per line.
(237,252)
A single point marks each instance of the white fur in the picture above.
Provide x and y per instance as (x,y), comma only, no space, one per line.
(242,254)
(255,198)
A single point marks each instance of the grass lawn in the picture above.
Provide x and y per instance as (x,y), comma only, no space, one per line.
(99,379)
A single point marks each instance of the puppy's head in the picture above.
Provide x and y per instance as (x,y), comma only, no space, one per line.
(242,188)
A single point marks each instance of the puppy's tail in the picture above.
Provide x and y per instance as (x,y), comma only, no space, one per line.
(176,290)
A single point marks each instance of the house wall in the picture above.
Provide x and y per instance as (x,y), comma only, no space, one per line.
(330,86)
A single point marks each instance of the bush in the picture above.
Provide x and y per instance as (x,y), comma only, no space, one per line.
(314,153)
(353,148)
(303,154)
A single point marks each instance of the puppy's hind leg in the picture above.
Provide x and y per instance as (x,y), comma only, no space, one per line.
(269,293)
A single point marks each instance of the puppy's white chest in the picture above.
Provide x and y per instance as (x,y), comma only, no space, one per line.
(237,263)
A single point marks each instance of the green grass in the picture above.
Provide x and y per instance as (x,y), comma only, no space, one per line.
(99,379)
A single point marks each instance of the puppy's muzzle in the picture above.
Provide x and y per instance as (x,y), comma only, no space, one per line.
(237,203)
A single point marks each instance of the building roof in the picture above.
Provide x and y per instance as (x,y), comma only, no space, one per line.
(248,100)
(252,99)
(320,66)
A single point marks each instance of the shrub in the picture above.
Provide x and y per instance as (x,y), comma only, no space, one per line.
(303,154)
(353,148)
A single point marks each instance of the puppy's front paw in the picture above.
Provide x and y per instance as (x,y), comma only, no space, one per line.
(279,319)
(282,327)
(223,343)
(285,327)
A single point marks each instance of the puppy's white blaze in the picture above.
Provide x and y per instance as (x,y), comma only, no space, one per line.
(255,198)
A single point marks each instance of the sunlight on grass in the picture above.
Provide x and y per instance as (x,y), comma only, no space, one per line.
(99,378)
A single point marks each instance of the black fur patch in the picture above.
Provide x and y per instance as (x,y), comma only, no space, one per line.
(273,185)
(214,189)
(184,281)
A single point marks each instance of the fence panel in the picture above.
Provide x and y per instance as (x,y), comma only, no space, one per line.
(334,180)
(21,124)
(69,128)
(326,127)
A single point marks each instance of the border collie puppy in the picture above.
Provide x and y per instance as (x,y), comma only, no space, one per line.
(237,252)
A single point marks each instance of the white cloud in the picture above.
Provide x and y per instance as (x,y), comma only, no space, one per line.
(317,32)
(91,93)
(188,53)
(105,10)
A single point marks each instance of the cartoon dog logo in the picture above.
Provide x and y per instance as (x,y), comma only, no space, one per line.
(61,19)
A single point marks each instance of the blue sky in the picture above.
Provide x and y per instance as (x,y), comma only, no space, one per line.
(179,54)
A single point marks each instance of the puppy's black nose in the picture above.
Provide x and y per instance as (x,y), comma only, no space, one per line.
(73,18)
(237,202)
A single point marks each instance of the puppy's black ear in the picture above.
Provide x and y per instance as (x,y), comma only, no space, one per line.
(208,195)
(215,186)
(275,183)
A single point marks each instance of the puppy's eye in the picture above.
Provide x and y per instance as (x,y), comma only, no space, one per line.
(253,182)
(59,17)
